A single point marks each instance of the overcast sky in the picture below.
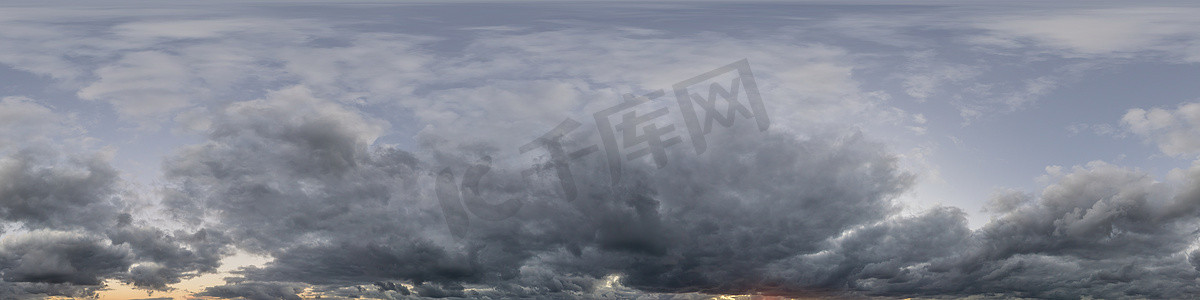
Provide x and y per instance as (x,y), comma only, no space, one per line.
(270,150)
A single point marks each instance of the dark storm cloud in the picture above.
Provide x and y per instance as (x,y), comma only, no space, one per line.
(169,256)
(45,190)
(39,290)
(716,223)
(61,257)
(295,177)
(301,183)
(256,291)
(68,208)
(759,213)
(59,200)
(1101,230)
(286,169)
(1099,212)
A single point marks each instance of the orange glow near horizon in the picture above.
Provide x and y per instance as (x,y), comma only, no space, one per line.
(186,289)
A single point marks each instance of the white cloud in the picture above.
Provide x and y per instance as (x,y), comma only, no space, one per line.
(924,76)
(1176,132)
(186,29)
(25,122)
(371,68)
(150,69)
(806,82)
(1100,32)
(143,84)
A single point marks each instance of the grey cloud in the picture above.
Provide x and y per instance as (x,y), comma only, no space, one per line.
(70,209)
(323,181)
(167,258)
(61,257)
(298,175)
(886,258)
(252,290)
(411,259)
(722,219)
(1101,230)
(379,290)
(708,224)
(41,290)
(47,190)
(1099,211)
(293,176)
(759,213)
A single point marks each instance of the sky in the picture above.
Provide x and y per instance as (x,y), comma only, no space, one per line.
(599,150)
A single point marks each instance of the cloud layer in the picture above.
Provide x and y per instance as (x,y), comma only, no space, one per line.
(326,142)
